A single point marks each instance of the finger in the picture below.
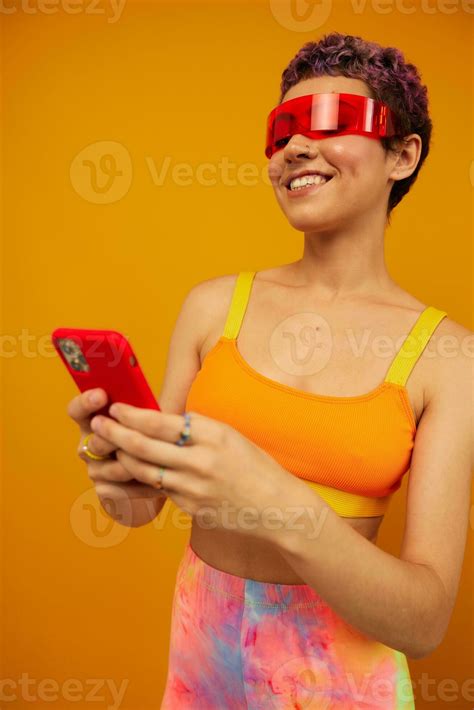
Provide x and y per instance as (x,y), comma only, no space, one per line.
(97,445)
(153,451)
(108,471)
(159,425)
(171,480)
(81,407)
(142,471)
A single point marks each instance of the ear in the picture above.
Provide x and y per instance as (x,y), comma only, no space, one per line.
(407,154)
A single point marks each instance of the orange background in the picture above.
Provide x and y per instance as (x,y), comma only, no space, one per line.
(192,83)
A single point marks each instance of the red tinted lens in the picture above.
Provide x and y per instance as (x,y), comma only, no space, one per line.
(288,122)
(348,114)
(285,120)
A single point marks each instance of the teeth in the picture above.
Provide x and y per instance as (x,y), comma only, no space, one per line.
(307,180)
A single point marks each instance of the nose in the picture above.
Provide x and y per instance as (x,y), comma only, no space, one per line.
(297,147)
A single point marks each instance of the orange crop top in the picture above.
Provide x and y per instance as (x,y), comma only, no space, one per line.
(353,451)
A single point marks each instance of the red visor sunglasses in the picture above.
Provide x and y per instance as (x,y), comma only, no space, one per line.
(326,115)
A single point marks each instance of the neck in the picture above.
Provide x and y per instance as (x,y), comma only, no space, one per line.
(344,264)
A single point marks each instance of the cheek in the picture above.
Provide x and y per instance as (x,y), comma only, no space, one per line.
(352,155)
(275,168)
(346,159)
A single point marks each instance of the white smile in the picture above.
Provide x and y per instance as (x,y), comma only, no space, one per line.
(301,187)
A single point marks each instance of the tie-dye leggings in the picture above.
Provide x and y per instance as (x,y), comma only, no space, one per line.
(240,644)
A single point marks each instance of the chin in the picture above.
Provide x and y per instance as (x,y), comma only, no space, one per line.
(321,218)
(310,222)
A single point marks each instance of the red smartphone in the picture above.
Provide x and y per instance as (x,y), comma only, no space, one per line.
(105,359)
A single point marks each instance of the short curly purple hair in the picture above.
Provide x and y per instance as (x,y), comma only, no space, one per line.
(389,77)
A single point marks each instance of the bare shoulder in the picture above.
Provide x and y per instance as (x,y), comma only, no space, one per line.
(452,360)
(199,309)
(454,344)
(214,286)
(212,298)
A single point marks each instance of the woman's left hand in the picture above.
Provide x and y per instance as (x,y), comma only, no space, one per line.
(217,474)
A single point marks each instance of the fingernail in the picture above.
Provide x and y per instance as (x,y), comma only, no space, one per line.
(95,398)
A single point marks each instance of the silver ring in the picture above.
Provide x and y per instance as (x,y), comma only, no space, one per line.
(184,437)
(186,433)
(161,470)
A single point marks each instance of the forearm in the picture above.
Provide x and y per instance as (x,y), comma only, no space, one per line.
(394,601)
(128,504)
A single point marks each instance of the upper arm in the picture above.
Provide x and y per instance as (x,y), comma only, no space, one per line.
(439,481)
(183,362)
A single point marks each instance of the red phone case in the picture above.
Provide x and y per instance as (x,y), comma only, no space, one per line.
(105,359)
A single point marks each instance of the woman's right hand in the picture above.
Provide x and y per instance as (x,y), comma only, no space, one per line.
(110,478)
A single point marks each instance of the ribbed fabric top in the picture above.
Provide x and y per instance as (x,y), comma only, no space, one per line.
(353,451)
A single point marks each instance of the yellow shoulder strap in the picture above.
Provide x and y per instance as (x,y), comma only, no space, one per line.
(413,345)
(238,304)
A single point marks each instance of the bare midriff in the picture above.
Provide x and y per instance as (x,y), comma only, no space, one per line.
(250,557)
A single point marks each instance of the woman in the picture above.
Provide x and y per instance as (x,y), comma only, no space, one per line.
(296,436)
